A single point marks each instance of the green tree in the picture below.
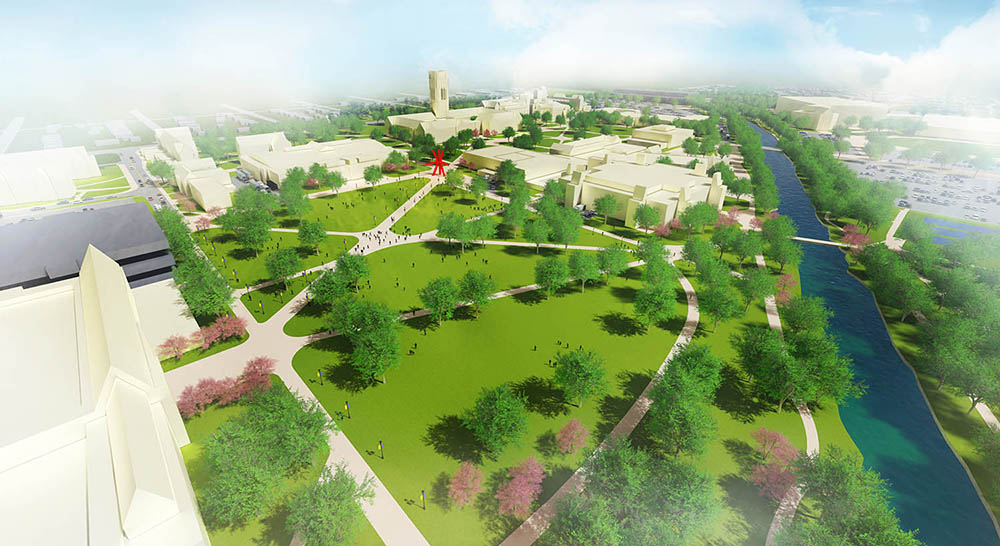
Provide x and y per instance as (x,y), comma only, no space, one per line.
(327,288)
(450,225)
(781,227)
(842,146)
(699,215)
(551,274)
(726,238)
(312,234)
(454,179)
(655,302)
(440,297)
(523,141)
(805,314)
(690,146)
(755,284)
(612,261)
(784,252)
(498,418)
(482,228)
(580,375)
(724,149)
(546,117)
(351,269)
(721,303)
(556,190)
(334,180)
(283,263)
(478,187)
(515,215)
(204,290)
(160,169)
(606,205)
(749,244)
(317,172)
(565,225)
(329,510)
(476,287)
(584,266)
(646,216)
(373,331)
(537,231)
(373,174)
(508,133)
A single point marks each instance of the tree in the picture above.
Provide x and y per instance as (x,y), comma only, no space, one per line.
(318,172)
(373,174)
(508,133)
(841,132)
(646,216)
(854,502)
(785,252)
(537,231)
(699,215)
(655,302)
(327,288)
(572,437)
(174,346)
(775,474)
(690,146)
(465,135)
(755,285)
(283,263)
(203,289)
(515,215)
(606,205)
(580,374)
(979,379)
(160,169)
(517,495)
(740,187)
(551,274)
(476,287)
(334,180)
(292,193)
(748,244)
(249,219)
(329,510)
(373,331)
(312,234)
(481,228)
(454,179)
(351,268)
(612,261)
(724,149)
(202,223)
(842,146)
(777,228)
(498,418)
(805,314)
(546,117)
(466,484)
(450,225)
(726,238)
(478,187)
(987,444)
(478,143)
(565,224)
(720,303)
(584,266)
(982,162)
(440,297)
(523,141)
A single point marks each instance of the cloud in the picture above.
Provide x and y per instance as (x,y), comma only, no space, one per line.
(922,23)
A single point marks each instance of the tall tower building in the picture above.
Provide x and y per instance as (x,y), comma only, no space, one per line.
(438,83)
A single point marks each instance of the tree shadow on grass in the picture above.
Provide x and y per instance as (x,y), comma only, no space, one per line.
(613,408)
(439,492)
(274,530)
(451,438)
(743,453)
(546,444)
(312,309)
(542,396)
(620,324)
(421,324)
(223,237)
(531,297)
(624,294)
(242,254)
(555,477)
(735,397)
(465,201)
(337,369)
(755,511)
(496,525)
(289,223)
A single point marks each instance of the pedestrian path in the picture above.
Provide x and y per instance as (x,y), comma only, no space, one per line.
(891,241)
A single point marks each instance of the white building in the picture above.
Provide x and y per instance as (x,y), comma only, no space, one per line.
(269,157)
(43,175)
(89,452)
(207,184)
(178,143)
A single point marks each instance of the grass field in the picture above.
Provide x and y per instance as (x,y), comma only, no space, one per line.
(459,358)
(108,173)
(269,529)
(265,302)
(198,354)
(102,193)
(412,266)
(119,182)
(227,255)
(876,235)
(414,168)
(107,159)
(357,210)
(586,237)
(943,145)
(441,200)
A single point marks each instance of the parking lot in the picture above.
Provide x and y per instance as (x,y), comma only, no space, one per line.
(940,193)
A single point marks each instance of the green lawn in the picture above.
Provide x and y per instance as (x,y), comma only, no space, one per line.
(917,216)
(414,265)
(265,302)
(228,165)
(416,414)
(414,168)
(270,528)
(113,183)
(943,145)
(441,200)
(227,255)
(876,235)
(108,172)
(586,237)
(551,133)
(747,516)
(357,210)
(105,159)
(197,354)
(101,193)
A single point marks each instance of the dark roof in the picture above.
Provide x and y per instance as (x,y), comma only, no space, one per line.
(53,247)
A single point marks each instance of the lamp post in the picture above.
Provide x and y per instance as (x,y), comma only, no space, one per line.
(347,406)
(381,453)
(423,497)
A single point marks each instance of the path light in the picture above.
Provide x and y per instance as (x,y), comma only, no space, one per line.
(320,374)
(381,453)
(423,497)
(347,406)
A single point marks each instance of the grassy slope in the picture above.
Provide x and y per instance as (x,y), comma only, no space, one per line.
(441,200)
(198,354)
(108,172)
(269,529)
(357,210)
(423,448)
(251,269)
(265,302)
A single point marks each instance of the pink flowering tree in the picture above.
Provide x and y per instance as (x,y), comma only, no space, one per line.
(465,484)
(775,474)
(662,230)
(206,336)
(786,283)
(256,376)
(730,218)
(187,205)
(173,347)
(230,326)
(854,238)
(524,487)
(214,212)
(677,224)
(572,437)
(202,223)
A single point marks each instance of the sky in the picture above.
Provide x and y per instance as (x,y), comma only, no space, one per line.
(183,54)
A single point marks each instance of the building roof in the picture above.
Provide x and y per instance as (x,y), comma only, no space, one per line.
(331,154)
(266,142)
(177,142)
(43,175)
(53,247)
(535,165)
(833,102)
(655,176)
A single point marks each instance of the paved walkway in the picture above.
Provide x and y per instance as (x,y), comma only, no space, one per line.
(533,527)
(818,242)
(891,241)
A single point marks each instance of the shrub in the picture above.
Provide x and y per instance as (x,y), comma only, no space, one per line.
(661,229)
(572,437)
(256,376)
(230,326)
(206,336)
(173,347)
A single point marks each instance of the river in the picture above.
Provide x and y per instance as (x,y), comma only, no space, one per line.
(891,424)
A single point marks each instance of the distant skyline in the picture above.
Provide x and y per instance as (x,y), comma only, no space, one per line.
(82,57)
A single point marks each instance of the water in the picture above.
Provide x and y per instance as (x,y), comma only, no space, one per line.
(891,424)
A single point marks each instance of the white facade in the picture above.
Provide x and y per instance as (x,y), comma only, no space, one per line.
(43,175)
(178,143)
(90,455)
(268,163)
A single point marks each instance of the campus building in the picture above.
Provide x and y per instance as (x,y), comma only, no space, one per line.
(443,122)
(43,175)
(604,165)
(824,113)
(53,248)
(177,143)
(269,157)
(667,136)
(90,455)
(197,177)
